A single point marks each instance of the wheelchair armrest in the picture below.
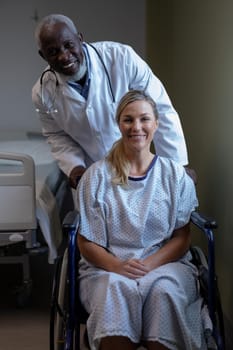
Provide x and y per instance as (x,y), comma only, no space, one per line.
(71,221)
(202,221)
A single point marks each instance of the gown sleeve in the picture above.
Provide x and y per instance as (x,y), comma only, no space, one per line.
(187,200)
(91,206)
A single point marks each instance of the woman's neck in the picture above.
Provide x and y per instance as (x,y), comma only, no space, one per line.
(139,165)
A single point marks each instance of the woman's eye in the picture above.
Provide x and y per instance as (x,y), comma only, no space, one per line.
(146,119)
(127,120)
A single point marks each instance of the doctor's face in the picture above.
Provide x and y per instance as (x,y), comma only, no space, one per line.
(138,124)
(62,48)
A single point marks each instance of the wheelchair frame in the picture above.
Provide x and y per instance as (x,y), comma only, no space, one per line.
(67,312)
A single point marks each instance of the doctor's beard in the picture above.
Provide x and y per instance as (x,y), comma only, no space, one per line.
(81,71)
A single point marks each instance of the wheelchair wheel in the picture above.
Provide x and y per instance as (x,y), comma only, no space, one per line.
(63,334)
(219,326)
(59,307)
(200,260)
(61,317)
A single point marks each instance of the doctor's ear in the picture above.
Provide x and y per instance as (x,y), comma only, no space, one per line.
(80,36)
(41,54)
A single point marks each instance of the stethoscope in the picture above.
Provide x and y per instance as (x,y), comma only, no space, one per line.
(51,108)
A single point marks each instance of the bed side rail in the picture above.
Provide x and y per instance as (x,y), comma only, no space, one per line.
(17,192)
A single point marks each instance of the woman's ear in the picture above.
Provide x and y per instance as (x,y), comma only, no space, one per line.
(157,124)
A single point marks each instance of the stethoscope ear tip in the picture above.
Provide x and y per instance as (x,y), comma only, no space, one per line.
(47,111)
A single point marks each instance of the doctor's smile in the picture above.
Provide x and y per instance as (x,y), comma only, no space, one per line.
(71,64)
(69,68)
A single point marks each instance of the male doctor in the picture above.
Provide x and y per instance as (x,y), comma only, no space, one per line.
(77,97)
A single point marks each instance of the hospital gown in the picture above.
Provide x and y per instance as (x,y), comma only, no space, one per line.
(133,221)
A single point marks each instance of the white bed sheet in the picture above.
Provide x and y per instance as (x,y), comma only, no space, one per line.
(47,176)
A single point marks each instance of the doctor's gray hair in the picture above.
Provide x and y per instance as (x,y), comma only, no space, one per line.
(48,21)
(116,156)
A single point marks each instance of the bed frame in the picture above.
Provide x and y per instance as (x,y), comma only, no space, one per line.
(21,215)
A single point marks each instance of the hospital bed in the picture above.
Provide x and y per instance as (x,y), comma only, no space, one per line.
(34,197)
(68,317)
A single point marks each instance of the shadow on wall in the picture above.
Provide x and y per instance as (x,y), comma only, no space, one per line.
(217,193)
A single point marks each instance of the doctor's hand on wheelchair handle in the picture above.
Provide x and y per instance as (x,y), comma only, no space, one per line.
(75,175)
(191,173)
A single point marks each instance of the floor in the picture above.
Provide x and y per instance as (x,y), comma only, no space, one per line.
(26,328)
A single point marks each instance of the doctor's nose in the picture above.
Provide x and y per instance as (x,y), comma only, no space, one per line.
(63,55)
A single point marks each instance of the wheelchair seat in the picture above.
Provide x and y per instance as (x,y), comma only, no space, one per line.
(68,317)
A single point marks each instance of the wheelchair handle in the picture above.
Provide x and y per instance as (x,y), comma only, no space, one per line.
(71,221)
(202,221)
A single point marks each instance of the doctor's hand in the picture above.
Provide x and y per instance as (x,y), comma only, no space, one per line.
(192,174)
(75,175)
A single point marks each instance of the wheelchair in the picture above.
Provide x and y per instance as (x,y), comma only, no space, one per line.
(68,317)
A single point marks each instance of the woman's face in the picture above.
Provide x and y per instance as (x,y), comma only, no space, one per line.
(137,124)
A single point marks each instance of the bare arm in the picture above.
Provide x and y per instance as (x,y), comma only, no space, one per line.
(173,250)
(191,173)
(100,257)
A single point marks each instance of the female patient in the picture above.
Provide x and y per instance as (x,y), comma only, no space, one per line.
(136,280)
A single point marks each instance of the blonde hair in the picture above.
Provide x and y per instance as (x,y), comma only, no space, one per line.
(116,156)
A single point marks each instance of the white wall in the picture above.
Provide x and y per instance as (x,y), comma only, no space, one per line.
(122,20)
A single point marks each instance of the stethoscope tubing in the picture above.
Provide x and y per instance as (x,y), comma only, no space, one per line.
(105,69)
(50,70)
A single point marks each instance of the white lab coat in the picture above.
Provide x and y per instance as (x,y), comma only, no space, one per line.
(82,131)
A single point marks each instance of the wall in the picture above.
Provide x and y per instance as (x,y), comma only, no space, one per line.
(20,63)
(191,49)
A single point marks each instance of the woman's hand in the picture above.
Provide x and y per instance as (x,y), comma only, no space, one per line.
(173,250)
(132,268)
(100,257)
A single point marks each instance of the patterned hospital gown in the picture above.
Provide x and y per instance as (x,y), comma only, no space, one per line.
(133,222)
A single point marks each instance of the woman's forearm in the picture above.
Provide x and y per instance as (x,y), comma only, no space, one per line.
(173,250)
(96,254)
(101,258)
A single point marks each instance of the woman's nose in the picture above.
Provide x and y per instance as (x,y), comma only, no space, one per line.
(136,125)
